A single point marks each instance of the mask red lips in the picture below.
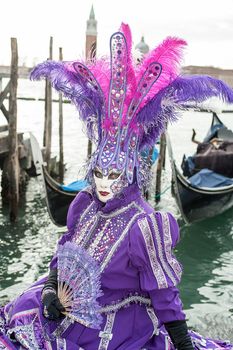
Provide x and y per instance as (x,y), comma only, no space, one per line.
(104,194)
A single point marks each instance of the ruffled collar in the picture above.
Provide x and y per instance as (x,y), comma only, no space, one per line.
(129,194)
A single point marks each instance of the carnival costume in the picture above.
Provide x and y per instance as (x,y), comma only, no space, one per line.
(125,108)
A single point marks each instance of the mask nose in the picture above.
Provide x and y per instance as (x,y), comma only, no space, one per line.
(104,183)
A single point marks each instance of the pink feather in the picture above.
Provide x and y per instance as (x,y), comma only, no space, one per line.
(169,54)
(100,68)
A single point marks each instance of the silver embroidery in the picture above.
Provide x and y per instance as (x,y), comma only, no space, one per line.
(61,344)
(106,334)
(127,301)
(101,234)
(154,320)
(117,243)
(155,265)
(25,335)
(161,250)
(168,247)
(62,327)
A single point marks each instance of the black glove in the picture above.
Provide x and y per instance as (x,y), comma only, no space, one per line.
(178,332)
(50,301)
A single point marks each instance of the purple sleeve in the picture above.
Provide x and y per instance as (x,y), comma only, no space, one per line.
(167,304)
(152,240)
(76,208)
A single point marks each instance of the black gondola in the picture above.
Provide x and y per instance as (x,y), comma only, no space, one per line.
(198,203)
(57,199)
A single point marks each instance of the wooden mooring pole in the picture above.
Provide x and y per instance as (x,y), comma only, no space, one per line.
(61,154)
(13,162)
(47,140)
(160,166)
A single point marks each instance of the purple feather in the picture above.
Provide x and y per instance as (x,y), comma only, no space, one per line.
(182,92)
(76,88)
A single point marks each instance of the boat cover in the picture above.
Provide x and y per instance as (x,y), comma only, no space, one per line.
(220,159)
(208,178)
(75,186)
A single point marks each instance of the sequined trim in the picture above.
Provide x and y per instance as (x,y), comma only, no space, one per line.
(118,242)
(30,335)
(155,265)
(154,320)
(106,335)
(61,344)
(62,327)
(174,264)
(126,302)
(3,345)
(164,263)
(101,234)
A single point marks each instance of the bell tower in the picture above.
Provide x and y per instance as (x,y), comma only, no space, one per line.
(91,36)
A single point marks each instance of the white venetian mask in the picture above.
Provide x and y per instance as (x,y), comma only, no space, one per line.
(108,186)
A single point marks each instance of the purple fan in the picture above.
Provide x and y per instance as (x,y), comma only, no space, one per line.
(79,285)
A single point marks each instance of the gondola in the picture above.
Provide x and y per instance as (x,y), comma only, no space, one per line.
(57,198)
(196,202)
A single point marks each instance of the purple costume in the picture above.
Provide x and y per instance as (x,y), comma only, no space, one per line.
(133,246)
(125,108)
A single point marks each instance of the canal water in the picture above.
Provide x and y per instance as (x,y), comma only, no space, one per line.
(205,248)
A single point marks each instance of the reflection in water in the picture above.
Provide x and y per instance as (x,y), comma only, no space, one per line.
(206,252)
(26,247)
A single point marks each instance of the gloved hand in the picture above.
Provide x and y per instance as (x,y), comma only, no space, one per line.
(178,332)
(52,305)
(50,301)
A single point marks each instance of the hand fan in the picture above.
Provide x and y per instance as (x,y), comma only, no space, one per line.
(79,285)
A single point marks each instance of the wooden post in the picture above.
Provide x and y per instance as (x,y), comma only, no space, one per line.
(13,164)
(61,154)
(47,140)
(160,166)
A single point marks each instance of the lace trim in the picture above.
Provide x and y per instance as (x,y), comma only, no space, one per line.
(174,264)
(156,267)
(154,320)
(106,335)
(62,327)
(61,344)
(161,250)
(137,299)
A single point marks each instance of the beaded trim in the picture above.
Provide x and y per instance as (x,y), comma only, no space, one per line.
(61,343)
(106,335)
(126,302)
(118,242)
(156,267)
(62,327)
(174,264)
(154,320)
(99,235)
(3,345)
(161,251)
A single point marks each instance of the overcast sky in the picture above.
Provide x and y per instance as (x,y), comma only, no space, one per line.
(207,26)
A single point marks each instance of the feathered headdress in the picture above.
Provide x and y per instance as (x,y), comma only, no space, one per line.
(125,106)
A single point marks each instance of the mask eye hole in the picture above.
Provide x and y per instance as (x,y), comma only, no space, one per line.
(98,174)
(113,176)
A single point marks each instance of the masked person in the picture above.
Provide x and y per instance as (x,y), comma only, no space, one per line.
(125,108)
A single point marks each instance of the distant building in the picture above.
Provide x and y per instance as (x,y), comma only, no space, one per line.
(223,74)
(142,46)
(91,36)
